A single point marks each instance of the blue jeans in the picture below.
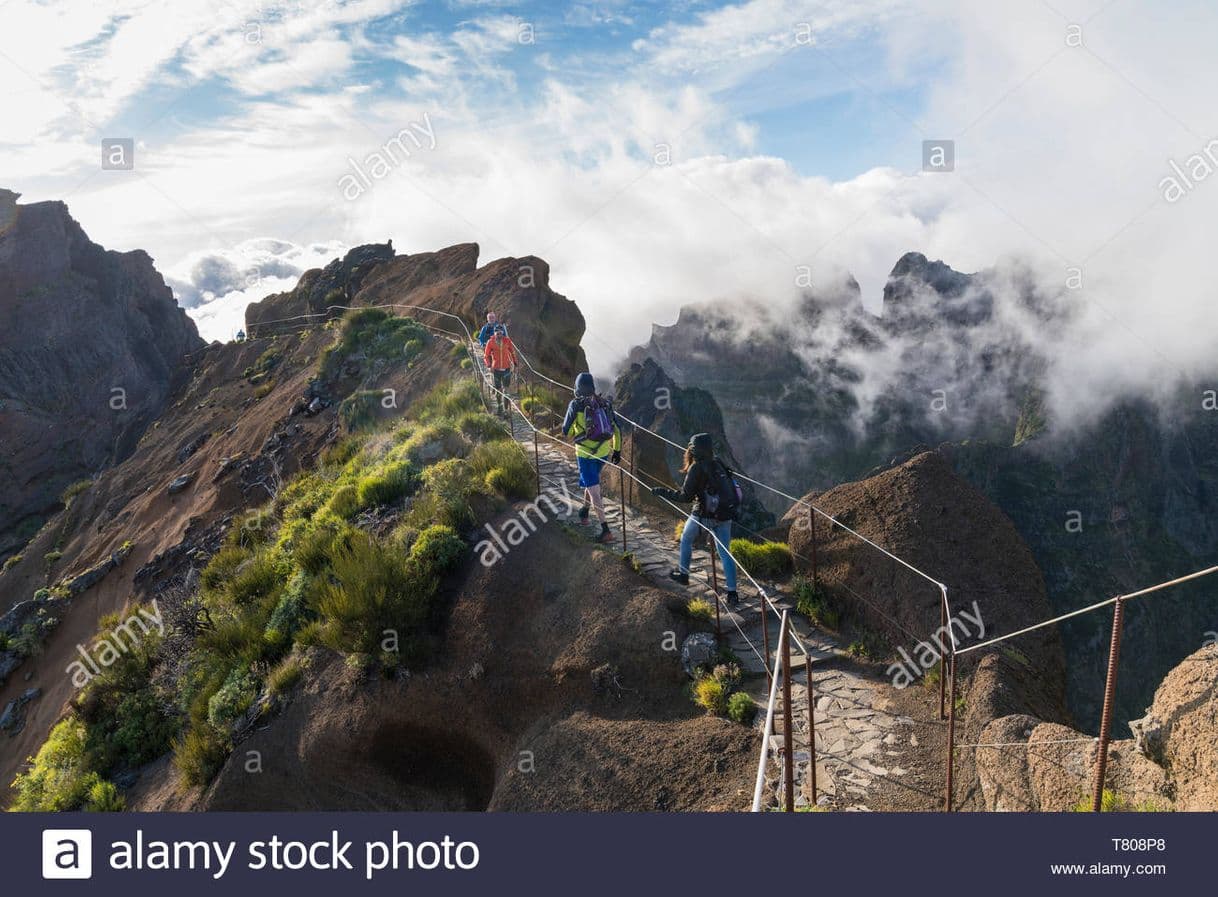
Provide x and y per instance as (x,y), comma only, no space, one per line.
(723,539)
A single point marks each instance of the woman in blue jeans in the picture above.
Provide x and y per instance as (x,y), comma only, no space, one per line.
(700,473)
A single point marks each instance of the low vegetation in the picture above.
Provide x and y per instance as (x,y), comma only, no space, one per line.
(316,566)
(1114,802)
(813,601)
(75,490)
(376,338)
(713,690)
(741,709)
(119,721)
(769,559)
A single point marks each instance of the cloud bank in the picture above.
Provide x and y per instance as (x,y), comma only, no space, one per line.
(646,170)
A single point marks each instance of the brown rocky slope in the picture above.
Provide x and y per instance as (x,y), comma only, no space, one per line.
(554,692)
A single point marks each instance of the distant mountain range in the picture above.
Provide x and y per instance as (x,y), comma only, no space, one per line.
(829,392)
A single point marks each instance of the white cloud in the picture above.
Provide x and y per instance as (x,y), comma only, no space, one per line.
(1060,152)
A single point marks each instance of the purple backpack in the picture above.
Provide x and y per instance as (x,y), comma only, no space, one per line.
(598,420)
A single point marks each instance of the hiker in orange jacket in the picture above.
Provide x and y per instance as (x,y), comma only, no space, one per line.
(500,357)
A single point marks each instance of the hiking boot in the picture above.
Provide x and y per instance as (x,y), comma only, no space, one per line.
(733,599)
(583,514)
(606,534)
(678,577)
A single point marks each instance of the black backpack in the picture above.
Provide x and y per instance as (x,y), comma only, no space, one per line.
(722,496)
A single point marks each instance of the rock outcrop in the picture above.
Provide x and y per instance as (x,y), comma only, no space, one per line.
(90,344)
(547,326)
(935,520)
(1171,762)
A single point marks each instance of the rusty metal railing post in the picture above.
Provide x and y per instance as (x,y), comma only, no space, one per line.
(634,455)
(811,733)
(1114,657)
(537,460)
(714,554)
(788,720)
(951,733)
(812,537)
(621,488)
(942,672)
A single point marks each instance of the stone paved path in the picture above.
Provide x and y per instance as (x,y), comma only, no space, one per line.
(857,741)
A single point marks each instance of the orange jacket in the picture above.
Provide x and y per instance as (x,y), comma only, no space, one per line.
(500,354)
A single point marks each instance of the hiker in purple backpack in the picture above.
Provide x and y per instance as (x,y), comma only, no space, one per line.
(593,425)
(716,501)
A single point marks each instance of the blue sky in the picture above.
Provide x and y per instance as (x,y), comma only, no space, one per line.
(791,136)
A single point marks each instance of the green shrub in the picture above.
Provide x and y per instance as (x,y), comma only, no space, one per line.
(199,755)
(313,548)
(28,640)
(384,486)
(932,676)
(770,559)
(59,777)
(700,609)
(223,567)
(264,365)
(135,731)
(449,486)
(373,590)
(480,426)
(360,409)
(377,335)
(11,563)
(52,556)
(503,469)
(449,401)
(812,602)
(727,673)
(232,700)
(741,709)
(1113,802)
(251,529)
(304,496)
(341,452)
(438,549)
(289,614)
(77,488)
(344,503)
(711,695)
(104,798)
(258,578)
(433,442)
(284,677)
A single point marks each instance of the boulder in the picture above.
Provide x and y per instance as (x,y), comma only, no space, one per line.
(180,484)
(923,512)
(698,650)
